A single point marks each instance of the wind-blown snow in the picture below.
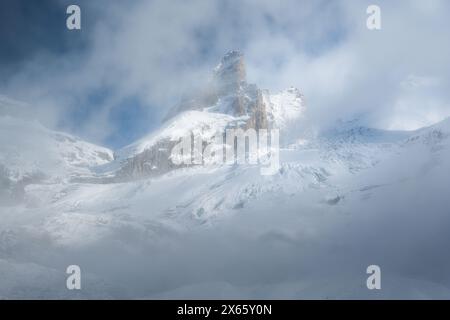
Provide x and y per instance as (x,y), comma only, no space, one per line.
(28,148)
(206,124)
(284,108)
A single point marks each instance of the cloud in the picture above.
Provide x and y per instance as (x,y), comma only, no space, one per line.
(150,52)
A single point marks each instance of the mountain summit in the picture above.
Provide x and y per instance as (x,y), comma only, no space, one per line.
(235,96)
(230,73)
(227,101)
(229,93)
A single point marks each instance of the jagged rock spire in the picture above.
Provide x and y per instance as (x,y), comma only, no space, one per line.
(229,93)
(230,73)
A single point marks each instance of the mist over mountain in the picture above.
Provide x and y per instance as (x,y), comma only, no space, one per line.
(344,197)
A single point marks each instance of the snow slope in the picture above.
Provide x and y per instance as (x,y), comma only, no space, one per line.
(29,149)
(285,107)
(227,231)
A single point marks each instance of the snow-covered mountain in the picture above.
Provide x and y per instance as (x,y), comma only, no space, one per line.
(135,218)
(227,101)
(30,153)
(28,149)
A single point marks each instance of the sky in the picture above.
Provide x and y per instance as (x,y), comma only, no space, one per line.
(114,80)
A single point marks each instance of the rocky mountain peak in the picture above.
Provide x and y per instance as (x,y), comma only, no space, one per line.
(230,73)
(234,95)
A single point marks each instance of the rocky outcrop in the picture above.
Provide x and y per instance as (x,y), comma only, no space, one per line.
(151,162)
(230,74)
(230,93)
(245,99)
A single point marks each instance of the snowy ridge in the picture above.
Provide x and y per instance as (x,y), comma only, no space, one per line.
(206,124)
(28,148)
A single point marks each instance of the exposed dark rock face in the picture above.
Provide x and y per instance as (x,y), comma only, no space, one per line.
(246,99)
(230,74)
(151,162)
(229,85)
